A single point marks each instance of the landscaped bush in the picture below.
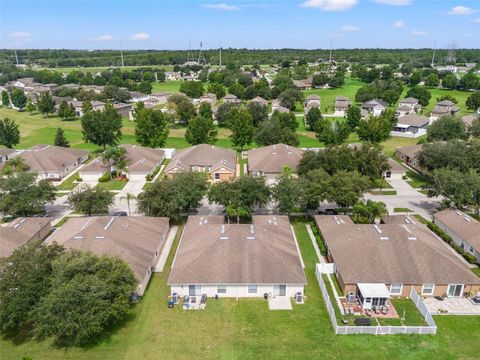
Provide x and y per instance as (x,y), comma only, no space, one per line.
(104,178)
(469,257)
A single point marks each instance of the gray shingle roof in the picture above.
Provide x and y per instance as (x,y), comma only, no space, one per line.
(461,224)
(203,155)
(272,159)
(406,253)
(18,232)
(211,252)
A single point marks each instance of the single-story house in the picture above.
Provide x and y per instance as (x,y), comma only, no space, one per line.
(302,84)
(230,98)
(444,108)
(96,105)
(124,110)
(138,240)
(269,161)
(136,96)
(392,257)
(142,161)
(341,105)
(52,162)
(312,99)
(469,119)
(219,163)
(5,154)
(396,170)
(209,98)
(374,106)
(408,106)
(162,97)
(237,260)
(411,126)
(259,100)
(462,228)
(409,154)
(22,231)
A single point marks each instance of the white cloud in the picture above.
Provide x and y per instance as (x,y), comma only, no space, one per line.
(140,36)
(330,5)
(399,23)
(350,28)
(477,21)
(394,2)
(418,33)
(222,7)
(337,35)
(102,38)
(21,35)
(460,10)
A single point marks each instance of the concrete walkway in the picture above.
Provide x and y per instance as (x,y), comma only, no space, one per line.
(321,259)
(166,249)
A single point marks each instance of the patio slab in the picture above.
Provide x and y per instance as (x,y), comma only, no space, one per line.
(452,306)
(280,303)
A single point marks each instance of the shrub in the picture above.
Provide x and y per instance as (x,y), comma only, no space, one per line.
(104,178)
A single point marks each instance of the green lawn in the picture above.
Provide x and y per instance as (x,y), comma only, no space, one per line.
(383,192)
(246,329)
(476,271)
(167,86)
(400,210)
(70,183)
(416,180)
(349,89)
(114,184)
(381,184)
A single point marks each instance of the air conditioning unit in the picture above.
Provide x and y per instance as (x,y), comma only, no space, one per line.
(299,297)
(351,297)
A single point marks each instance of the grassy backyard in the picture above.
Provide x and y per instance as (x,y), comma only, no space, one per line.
(113,184)
(246,329)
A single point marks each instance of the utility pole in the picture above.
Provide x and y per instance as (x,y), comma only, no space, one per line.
(16,57)
(189,52)
(220,57)
(121,54)
(201,56)
(434,50)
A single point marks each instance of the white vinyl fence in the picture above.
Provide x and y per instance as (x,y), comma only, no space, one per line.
(431,329)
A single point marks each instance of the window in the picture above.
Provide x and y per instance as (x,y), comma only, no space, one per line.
(194,290)
(396,289)
(221,289)
(252,289)
(217,176)
(427,289)
(472,250)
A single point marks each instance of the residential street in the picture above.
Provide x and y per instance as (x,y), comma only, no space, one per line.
(407,197)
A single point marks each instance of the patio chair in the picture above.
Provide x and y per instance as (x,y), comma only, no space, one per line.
(384,310)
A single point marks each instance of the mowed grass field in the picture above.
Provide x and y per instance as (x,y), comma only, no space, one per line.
(246,329)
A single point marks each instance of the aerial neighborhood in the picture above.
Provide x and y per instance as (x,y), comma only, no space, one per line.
(223,202)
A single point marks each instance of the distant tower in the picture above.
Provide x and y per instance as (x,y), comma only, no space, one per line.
(433,56)
(189,52)
(121,54)
(331,49)
(201,55)
(451,55)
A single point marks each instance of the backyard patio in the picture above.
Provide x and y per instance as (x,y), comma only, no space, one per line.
(452,306)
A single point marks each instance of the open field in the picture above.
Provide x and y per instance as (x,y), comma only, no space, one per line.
(167,86)
(246,329)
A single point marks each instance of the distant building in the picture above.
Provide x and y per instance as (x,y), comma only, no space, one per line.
(269,161)
(411,126)
(444,108)
(230,98)
(209,98)
(341,105)
(374,106)
(409,154)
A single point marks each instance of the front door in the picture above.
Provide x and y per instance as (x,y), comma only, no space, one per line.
(455,290)
(279,290)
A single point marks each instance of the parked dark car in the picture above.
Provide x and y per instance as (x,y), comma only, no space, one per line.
(120,213)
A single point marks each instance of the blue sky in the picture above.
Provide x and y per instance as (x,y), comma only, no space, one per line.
(158,24)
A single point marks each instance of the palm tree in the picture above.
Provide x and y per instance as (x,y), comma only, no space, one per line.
(370,210)
(115,156)
(128,197)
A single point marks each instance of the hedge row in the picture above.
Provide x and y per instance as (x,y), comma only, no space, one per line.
(469,257)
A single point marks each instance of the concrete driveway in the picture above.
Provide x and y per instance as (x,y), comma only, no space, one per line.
(407,197)
(134,187)
(58,209)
